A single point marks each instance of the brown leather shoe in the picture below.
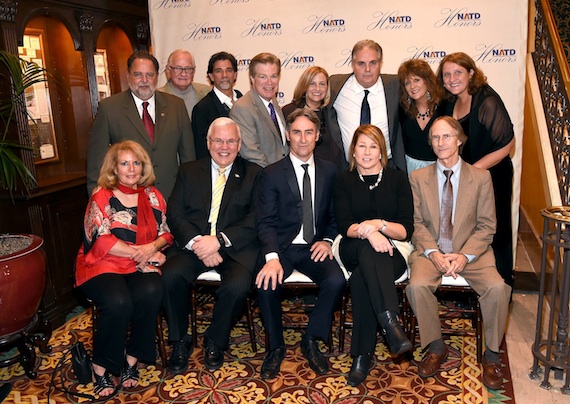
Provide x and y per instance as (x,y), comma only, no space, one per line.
(492,375)
(431,362)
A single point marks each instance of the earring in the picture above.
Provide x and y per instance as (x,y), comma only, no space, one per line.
(428,95)
(409,100)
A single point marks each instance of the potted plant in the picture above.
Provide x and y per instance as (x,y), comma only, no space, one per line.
(23,262)
(22,75)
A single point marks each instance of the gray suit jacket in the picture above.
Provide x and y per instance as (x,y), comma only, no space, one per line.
(392,91)
(118,119)
(261,142)
(474,223)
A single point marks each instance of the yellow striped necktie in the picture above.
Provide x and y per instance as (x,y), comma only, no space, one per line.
(217,199)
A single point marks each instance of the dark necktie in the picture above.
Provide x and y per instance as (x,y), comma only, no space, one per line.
(226,107)
(365,109)
(445,225)
(308,232)
(274,117)
(147,121)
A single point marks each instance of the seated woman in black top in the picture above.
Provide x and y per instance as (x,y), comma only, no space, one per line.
(373,205)
(419,106)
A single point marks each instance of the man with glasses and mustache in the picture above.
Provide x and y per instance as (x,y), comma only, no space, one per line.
(180,70)
(158,121)
(211,215)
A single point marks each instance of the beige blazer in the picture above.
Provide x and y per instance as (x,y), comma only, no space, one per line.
(474,223)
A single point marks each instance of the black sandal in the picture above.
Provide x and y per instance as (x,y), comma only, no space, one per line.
(129,373)
(105,381)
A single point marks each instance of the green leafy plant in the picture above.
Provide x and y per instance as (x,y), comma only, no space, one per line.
(22,75)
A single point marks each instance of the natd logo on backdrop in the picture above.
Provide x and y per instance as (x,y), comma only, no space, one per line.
(428,53)
(458,17)
(202,31)
(494,53)
(167,4)
(280,95)
(295,60)
(243,64)
(223,2)
(345,60)
(389,20)
(324,24)
(263,27)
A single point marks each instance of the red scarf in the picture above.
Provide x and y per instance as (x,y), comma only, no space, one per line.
(146,223)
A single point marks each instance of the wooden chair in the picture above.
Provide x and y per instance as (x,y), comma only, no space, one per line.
(345,306)
(459,290)
(159,333)
(299,284)
(212,279)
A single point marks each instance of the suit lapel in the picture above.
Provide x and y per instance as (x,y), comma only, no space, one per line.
(289,172)
(160,111)
(233,181)
(264,113)
(463,197)
(205,180)
(319,187)
(133,115)
(431,188)
(391,103)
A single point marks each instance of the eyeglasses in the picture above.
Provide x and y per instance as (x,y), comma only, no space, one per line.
(446,138)
(179,70)
(219,142)
(139,75)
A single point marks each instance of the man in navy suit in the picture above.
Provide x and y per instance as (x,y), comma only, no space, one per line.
(293,235)
(222,73)
(225,241)
(382,91)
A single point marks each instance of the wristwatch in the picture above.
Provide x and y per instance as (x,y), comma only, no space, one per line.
(383,226)
(221,240)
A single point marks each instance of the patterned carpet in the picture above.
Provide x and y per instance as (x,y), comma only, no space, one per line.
(238,380)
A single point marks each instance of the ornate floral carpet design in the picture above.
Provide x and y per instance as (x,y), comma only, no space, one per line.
(238,380)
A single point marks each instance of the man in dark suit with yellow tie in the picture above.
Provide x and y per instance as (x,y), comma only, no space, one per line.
(296,226)
(211,215)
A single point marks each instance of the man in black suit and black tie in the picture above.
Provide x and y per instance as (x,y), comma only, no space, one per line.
(222,73)
(366,96)
(211,215)
(293,235)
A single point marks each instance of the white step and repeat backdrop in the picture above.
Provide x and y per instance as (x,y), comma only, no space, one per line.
(304,33)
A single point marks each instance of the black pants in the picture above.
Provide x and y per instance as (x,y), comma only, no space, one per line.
(372,289)
(179,274)
(326,274)
(502,176)
(124,300)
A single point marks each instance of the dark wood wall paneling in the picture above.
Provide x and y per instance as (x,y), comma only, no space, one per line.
(55,210)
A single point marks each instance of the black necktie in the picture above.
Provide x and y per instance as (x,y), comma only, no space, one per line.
(365,109)
(445,225)
(308,232)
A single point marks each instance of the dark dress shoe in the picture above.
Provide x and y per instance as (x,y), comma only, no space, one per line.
(310,350)
(272,363)
(395,336)
(213,355)
(359,370)
(431,362)
(492,375)
(178,361)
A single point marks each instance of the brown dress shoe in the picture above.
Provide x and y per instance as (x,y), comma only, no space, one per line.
(492,375)
(431,362)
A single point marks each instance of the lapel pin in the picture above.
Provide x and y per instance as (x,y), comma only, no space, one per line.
(236,175)
(162,114)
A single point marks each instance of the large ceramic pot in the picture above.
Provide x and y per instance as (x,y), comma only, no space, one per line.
(22,283)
